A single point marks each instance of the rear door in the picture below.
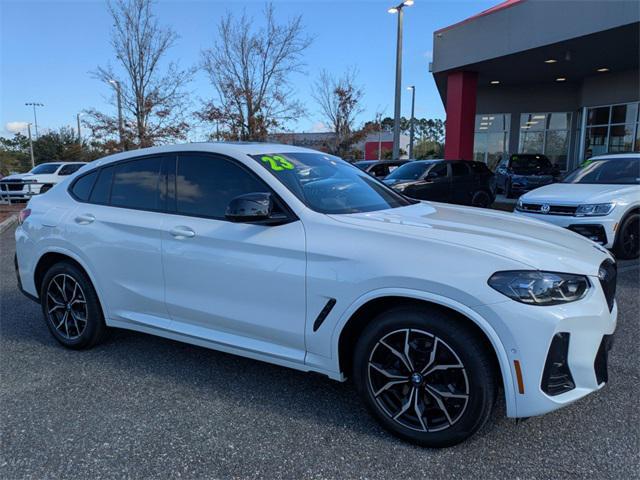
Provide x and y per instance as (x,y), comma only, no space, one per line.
(117,227)
(237,284)
(462,183)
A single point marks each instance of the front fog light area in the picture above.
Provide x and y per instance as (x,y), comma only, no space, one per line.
(540,288)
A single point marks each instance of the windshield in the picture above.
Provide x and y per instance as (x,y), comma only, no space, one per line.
(328,184)
(46,168)
(614,171)
(409,171)
(530,164)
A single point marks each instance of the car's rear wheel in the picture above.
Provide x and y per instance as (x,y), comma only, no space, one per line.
(70,306)
(425,376)
(627,244)
(481,199)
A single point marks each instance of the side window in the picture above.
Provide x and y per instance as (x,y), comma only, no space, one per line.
(102,188)
(439,170)
(69,169)
(82,187)
(135,184)
(459,169)
(205,185)
(380,171)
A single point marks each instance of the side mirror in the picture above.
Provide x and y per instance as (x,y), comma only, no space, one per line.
(432,175)
(249,208)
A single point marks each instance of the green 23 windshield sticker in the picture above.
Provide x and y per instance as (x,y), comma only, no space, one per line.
(277,163)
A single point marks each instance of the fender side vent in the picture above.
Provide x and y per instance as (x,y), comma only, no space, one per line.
(323,314)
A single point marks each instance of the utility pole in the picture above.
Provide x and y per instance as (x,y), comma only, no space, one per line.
(35,118)
(399,9)
(33,161)
(413,120)
(379,136)
(116,85)
(79,132)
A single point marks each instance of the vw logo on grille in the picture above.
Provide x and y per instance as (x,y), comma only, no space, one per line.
(544,208)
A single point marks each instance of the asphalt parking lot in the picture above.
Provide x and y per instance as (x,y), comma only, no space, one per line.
(138,406)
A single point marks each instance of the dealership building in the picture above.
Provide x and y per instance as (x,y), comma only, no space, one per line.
(532,76)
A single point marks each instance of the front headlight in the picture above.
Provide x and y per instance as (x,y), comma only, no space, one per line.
(540,288)
(594,209)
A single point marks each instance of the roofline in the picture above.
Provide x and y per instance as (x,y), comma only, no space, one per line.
(496,8)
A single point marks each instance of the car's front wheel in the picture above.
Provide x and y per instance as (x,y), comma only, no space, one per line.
(627,244)
(425,376)
(70,306)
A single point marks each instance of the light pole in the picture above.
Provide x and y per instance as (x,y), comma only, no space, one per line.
(379,136)
(35,118)
(413,119)
(399,9)
(116,84)
(33,160)
(78,115)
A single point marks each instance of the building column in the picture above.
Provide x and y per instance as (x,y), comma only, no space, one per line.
(461,115)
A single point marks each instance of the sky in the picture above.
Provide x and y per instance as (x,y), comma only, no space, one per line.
(48,50)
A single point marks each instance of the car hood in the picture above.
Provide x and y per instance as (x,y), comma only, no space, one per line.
(577,193)
(18,176)
(532,243)
(397,181)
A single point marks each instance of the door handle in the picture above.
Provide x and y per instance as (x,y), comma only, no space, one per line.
(85,219)
(182,232)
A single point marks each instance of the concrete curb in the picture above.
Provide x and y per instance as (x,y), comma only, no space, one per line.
(8,223)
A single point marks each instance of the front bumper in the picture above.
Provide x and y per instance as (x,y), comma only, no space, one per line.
(528,332)
(599,229)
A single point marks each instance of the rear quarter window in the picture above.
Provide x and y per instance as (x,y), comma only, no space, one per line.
(82,187)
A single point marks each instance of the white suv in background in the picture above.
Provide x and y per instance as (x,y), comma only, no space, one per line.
(273,252)
(21,186)
(600,200)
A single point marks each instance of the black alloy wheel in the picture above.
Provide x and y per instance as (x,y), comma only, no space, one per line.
(627,244)
(71,307)
(481,199)
(425,376)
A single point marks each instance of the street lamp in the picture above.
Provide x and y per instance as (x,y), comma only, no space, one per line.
(399,9)
(35,118)
(413,119)
(78,115)
(116,85)
(33,161)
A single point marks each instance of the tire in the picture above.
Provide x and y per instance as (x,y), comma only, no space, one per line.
(481,199)
(507,190)
(627,243)
(399,382)
(71,307)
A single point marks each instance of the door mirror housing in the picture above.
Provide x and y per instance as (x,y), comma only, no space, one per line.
(254,208)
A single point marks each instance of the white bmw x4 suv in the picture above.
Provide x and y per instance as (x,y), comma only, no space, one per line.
(295,257)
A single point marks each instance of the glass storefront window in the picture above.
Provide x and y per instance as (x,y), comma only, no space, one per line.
(598,116)
(491,138)
(547,134)
(621,138)
(612,129)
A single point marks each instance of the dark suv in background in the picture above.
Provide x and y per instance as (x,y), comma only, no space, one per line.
(379,168)
(523,172)
(451,181)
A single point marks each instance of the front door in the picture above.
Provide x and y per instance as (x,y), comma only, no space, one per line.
(236,284)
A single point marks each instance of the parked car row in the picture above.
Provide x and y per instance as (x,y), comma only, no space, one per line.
(22,186)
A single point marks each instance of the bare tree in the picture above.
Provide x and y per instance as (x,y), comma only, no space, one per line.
(250,70)
(340,102)
(154,99)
